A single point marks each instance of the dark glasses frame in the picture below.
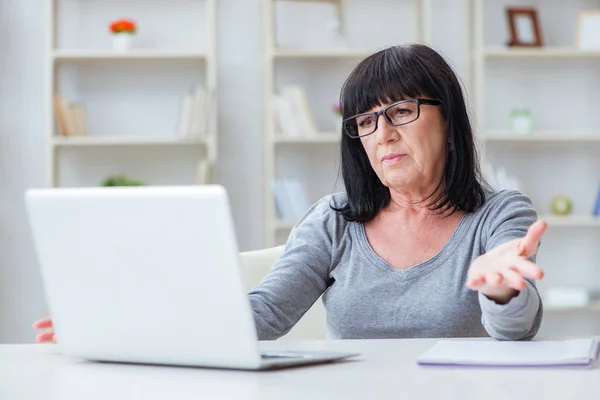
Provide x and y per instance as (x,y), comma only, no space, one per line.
(383,112)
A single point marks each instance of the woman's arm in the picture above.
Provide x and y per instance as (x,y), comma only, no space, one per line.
(298,278)
(517,316)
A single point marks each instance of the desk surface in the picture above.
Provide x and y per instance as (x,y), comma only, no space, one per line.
(386,369)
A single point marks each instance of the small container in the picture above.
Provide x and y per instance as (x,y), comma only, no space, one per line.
(122,42)
(521,122)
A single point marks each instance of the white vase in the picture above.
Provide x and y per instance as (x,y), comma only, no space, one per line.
(122,42)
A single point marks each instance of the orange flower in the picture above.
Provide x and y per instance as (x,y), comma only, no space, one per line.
(123,25)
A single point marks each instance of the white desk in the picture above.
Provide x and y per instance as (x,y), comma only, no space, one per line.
(386,369)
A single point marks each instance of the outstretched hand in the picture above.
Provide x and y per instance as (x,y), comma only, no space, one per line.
(500,273)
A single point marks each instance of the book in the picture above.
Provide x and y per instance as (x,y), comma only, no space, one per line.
(71,119)
(285,120)
(185,115)
(283,205)
(296,95)
(511,353)
(296,194)
(80,119)
(596,211)
(194,113)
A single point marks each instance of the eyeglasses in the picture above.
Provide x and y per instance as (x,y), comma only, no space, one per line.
(397,114)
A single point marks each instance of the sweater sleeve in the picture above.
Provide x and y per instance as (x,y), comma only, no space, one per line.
(510,216)
(299,277)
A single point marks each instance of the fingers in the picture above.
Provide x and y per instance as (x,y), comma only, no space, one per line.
(510,272)
(44,323)
(514,279)
(488,278)
(526,268)
(506,277)
(46,337)
(507,269)
(528,245)
(493,278)
(475,282)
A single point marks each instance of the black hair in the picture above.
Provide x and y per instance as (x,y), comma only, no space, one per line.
(393,74)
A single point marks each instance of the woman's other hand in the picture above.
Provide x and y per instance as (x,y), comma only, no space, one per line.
(48,336)
(500,273)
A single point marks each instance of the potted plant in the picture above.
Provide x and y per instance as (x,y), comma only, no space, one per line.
(122,32)
(121,180)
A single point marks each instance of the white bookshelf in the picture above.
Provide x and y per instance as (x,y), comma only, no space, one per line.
(562,155)
(319,64)
(133,99)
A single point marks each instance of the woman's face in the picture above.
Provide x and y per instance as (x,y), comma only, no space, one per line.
(411,156)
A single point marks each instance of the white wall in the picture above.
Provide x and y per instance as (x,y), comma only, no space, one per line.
(22,154)
(21,162)
(240,147)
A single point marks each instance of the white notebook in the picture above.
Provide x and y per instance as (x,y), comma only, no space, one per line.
(511,353)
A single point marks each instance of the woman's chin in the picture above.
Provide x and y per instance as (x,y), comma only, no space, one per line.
(398,180)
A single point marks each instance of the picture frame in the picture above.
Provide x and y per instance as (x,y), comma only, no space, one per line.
(524,27)
(587,35)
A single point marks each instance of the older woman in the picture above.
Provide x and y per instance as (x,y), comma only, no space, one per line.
(417,245)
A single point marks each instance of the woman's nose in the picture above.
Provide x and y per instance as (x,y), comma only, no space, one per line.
(385,132)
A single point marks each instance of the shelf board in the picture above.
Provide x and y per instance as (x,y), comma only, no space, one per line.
(85,141)
(544,52)
(550,137)
(571,221)
(282,52)
(319,138)
(592,306)
(85,55)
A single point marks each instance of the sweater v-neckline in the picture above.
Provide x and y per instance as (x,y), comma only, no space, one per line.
(423,267)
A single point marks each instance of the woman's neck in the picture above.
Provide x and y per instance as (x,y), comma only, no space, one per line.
(415,204)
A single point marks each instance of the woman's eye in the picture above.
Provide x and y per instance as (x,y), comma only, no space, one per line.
(402,111)
(365,122)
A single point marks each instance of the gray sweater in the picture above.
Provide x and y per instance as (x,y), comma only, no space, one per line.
(365,298)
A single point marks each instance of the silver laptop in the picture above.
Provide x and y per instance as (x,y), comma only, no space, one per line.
(148,275)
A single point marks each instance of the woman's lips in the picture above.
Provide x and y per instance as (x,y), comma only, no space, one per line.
(394,158)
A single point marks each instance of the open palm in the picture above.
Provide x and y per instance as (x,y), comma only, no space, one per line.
(503,269)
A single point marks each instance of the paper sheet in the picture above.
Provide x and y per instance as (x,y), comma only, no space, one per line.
(511,353)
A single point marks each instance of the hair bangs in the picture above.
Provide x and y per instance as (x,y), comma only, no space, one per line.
(382,78)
